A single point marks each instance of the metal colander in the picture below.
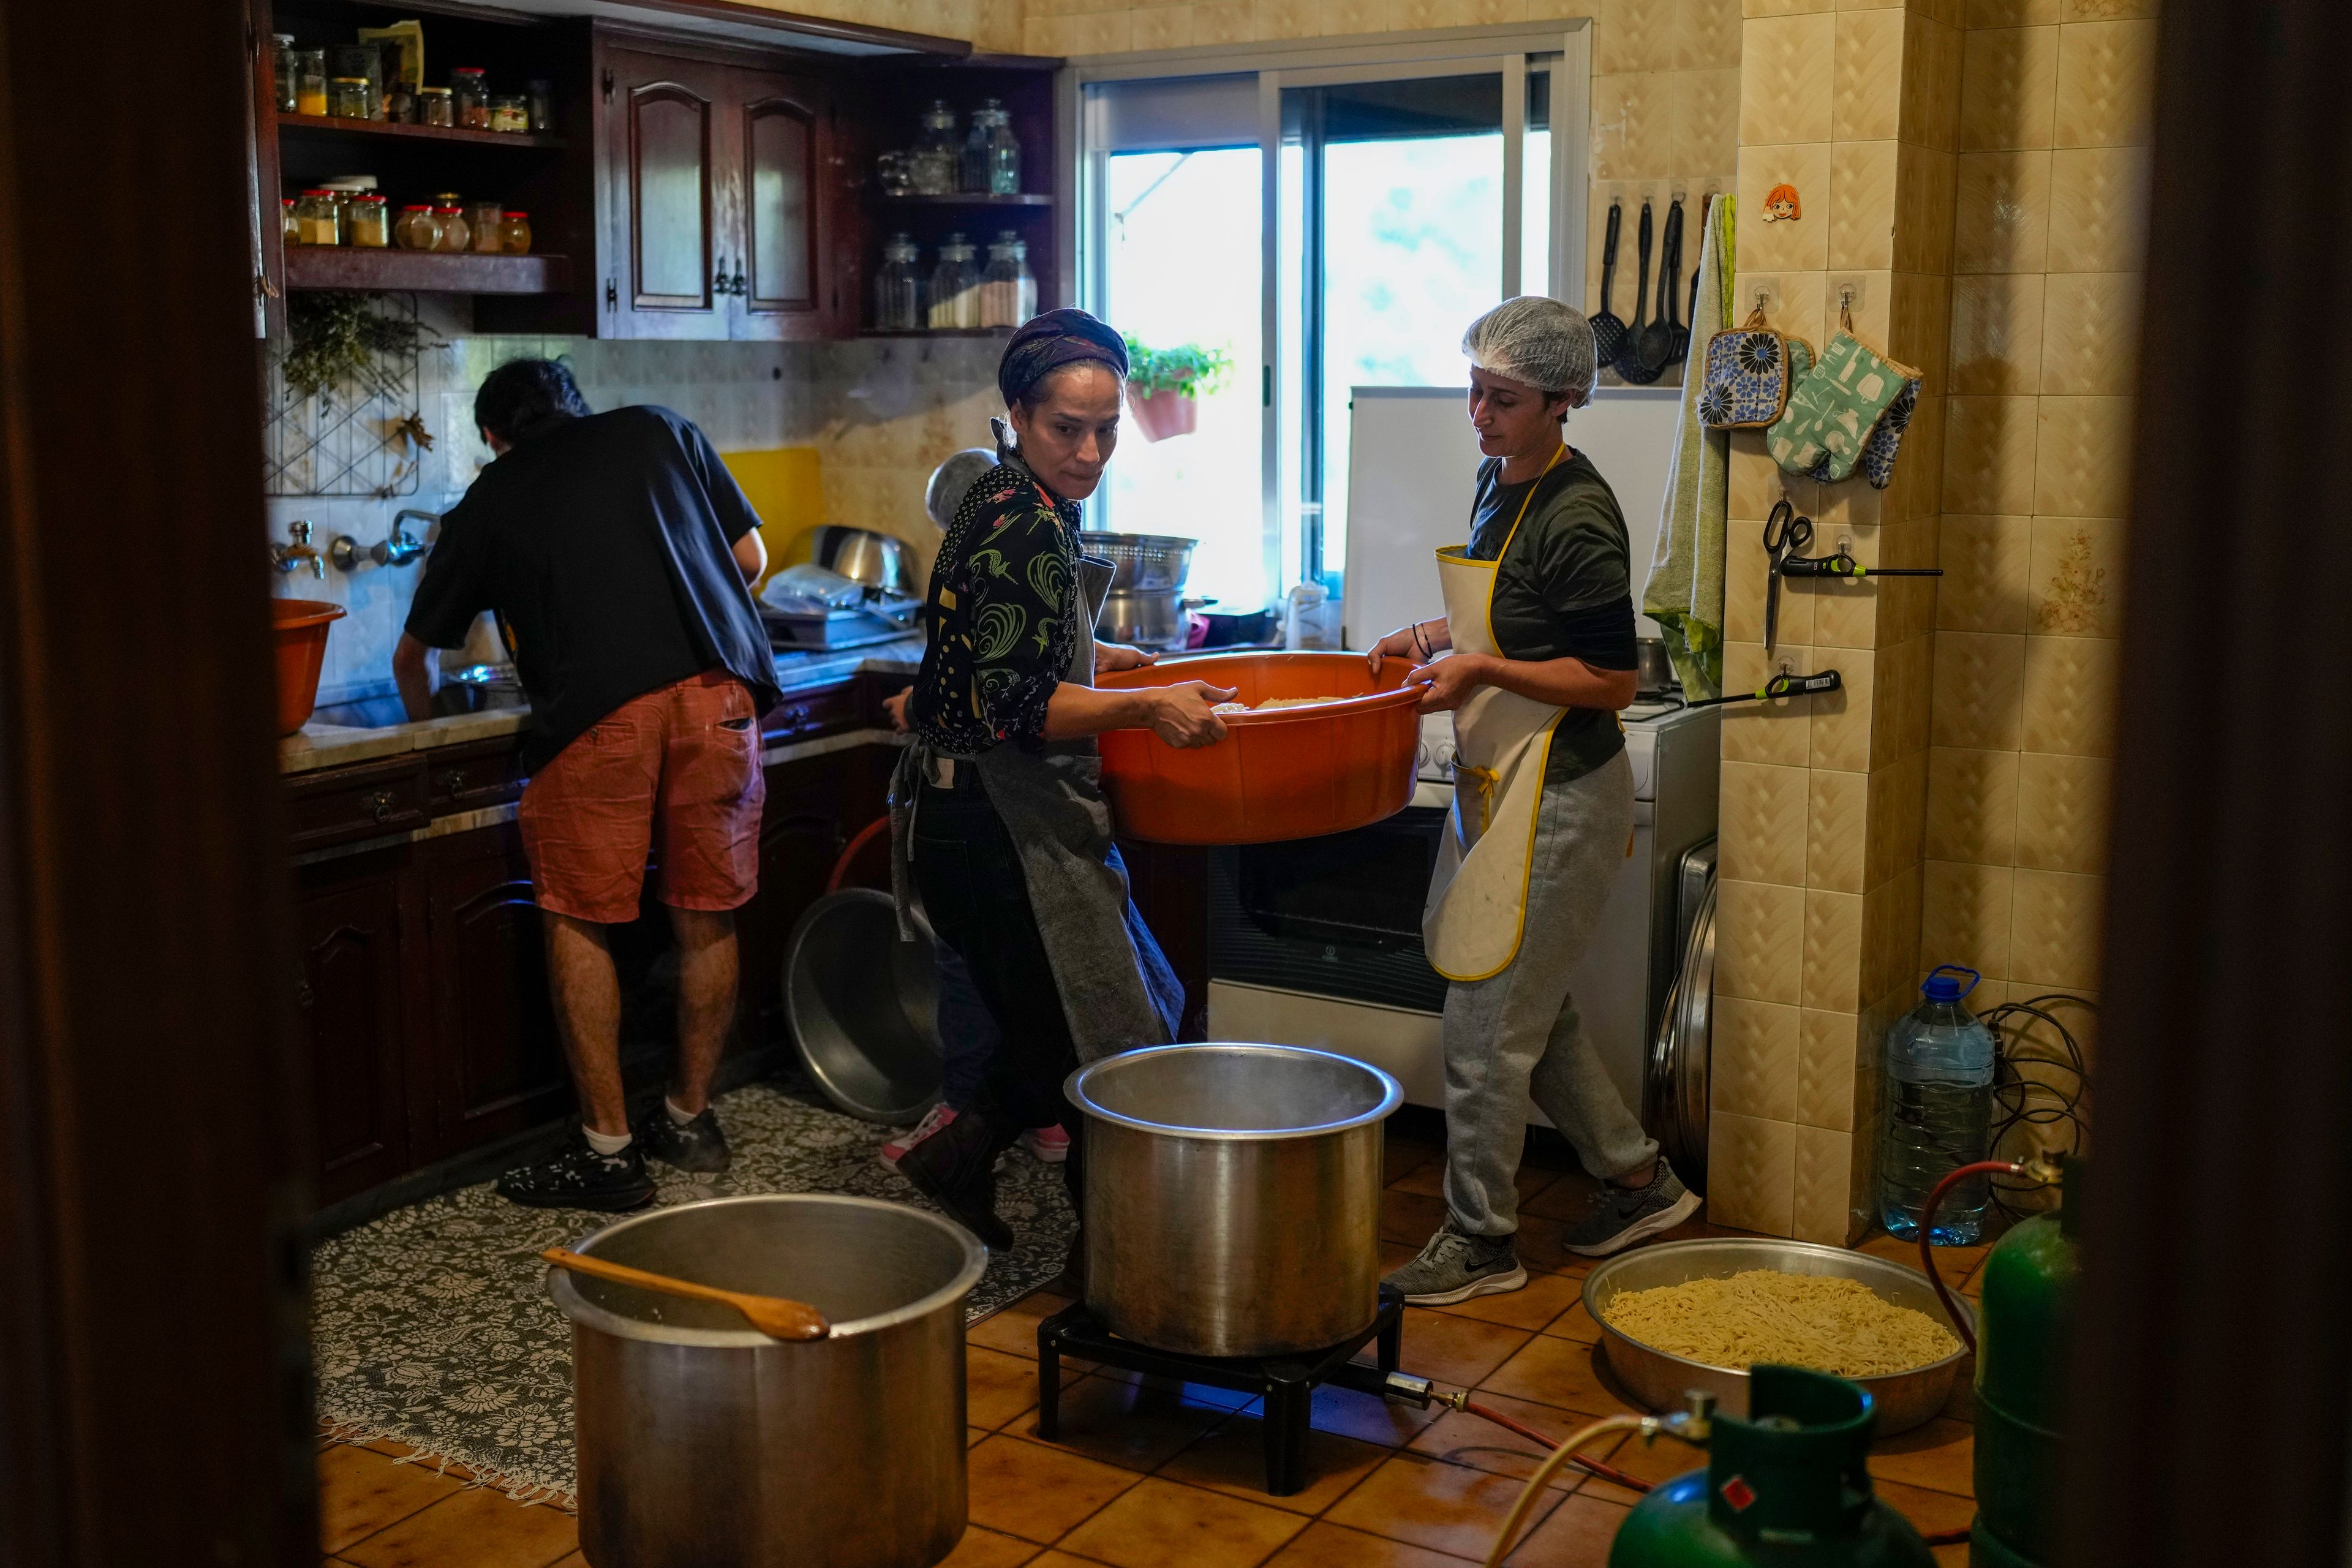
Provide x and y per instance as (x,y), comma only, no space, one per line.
(1147,563)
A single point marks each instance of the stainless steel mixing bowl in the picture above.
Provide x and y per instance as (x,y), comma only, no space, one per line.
(1658,1380)
(862,1006)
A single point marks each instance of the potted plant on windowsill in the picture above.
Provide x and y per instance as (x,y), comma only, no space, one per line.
(1164,386)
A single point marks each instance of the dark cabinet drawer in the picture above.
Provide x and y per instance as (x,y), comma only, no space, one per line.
(468,778)
(367,801)
(807,714)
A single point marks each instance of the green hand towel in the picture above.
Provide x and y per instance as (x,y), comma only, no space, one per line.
(1684,592)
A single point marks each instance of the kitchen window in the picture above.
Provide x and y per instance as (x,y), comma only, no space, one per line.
(1326,214)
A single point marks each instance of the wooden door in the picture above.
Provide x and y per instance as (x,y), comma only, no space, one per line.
(498,1062)
(786,287)
(351,991)
(667,181)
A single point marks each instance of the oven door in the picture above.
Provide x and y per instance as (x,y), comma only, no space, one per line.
(1336,916)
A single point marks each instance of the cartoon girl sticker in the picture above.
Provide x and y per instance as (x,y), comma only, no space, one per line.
(1780,207)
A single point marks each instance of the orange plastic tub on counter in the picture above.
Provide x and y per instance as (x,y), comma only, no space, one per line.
(302,627)
(1293,772)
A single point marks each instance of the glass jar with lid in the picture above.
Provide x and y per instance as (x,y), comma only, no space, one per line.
(455,232)
(347,98)
(955,286)
(514,233)
(290,229)
(484,219)
(319,219)
(543,108)
(1008,289)
(898,287)
(992,158)
(509,114)
(310,82)
(417,228)
(399,102)
(286,66)
(433,107)
(933,165)
(365,61)
(371,221)
(470,97)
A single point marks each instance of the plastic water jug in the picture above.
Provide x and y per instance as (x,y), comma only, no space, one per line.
(1939,1112)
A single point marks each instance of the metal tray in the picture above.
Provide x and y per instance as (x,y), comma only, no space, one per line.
(1905,1399)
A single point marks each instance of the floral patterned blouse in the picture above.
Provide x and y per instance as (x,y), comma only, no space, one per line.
(1001,630)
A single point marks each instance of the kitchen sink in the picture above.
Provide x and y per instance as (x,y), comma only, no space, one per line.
(367,713)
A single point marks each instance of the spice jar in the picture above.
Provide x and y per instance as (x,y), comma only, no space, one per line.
(433,107)
(347,98)
(470,97)
(509,114)
(514,233)
(371,221)
(310,82)
(418,229)
(289,230)
(455,234)
(484,219)
(317,220)
(955,286)
(365,61)
(286,65)
(543,109)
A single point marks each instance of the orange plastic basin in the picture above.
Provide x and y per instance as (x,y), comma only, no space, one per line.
(1295,772)
(301,650)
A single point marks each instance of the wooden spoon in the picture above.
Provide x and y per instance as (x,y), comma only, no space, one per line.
(772,1315)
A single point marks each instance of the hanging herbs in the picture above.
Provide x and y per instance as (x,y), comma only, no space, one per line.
(337,338)
(1188,368)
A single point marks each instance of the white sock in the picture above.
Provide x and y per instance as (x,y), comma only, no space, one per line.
(677,1118)
(605,1143)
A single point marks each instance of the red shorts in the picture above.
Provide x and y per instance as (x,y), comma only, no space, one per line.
(674,771)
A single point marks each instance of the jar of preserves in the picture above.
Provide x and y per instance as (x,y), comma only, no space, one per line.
(898,287)
(510,114)
(318,220)
(433,107)
(455,234)
(955,286)
(347,98)
(365,61)
(311,81)
(484,219)
(288,229)
(417,228)
(933,165)
(399,103)
(471,97)
(543,109)
(514,233)
(371,221)
(286,66)
(1008,289)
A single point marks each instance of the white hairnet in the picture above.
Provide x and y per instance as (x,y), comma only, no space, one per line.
(1537,341)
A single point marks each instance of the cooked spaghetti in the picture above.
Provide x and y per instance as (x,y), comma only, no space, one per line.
(1828,1322)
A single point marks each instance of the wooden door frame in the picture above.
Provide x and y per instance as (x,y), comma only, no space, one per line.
(154,1391)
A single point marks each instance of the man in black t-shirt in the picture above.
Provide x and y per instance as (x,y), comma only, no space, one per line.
(617,552)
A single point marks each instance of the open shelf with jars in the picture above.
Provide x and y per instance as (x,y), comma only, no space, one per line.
(328,125)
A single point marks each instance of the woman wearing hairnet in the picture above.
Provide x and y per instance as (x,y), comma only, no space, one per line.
(1539,622)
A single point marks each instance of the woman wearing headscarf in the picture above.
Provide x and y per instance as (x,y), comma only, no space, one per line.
(997,808)
(1539,622)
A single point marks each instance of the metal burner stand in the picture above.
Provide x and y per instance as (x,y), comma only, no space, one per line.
(1286,1383)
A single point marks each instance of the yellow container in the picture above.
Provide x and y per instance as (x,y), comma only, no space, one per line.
(785,487)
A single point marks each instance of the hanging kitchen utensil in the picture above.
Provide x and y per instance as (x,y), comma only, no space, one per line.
(1746,375)
(1653,345)
(1833,410)
(1785,534)
(1780,686)
(1670,283)
(772,1315)
(1629,362)
(1843,564)
(1608,327)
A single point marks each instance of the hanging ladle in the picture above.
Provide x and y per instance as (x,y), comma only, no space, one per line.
(772,1315)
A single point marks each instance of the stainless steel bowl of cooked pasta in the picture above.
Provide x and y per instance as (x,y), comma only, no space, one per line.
(1697,1314)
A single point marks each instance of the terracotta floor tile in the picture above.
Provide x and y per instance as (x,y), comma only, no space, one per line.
(1036,1492)
(1132,1425)
(576,1559)
(1364,1417)
(1929,1510)
(1962,1403)
(1575,1323)
(987,1549)
(1540,1248)
(1462,1438)
(481,1528)
(1395,1255)
(1401,1156)
(1427,1502)
(1409,1217)
(1533,1306)
(360,1492)
(1576,1534)
(1061,1560)
(1429,1180)
(1013,1331)
(997,1388)
(1956,1262)
(1457,1349)
(1325,1545)
(974,1436)
(1653,1462)
(1161,1524)
(385,1446)
(1568,1374)
(1952,1556)
(1568,1197)
(1232,1459)
(1207,1394)
(1940,1457)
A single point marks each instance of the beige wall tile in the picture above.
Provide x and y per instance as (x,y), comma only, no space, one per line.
(1890,914)
(1632,35)
(1822,1170)
(1707,35)
(1413,15)
(1979,689)
(1927,186)
(2059,920)
(1788,74)
(1755,481)
(1965,914)
(2061,813)
(2078,577)
(1971,805)
(1778,732)
(1095,33)
(1996,331)
(1841,719)
(1797,603)
(2090,333)
(1830,1046)
(1917,491)
(1343,18)
(1867,101)
(1760,941)
(1763,824)
(2009,83)
(1932,54)
(1862,210)
(1832,977)
(2011,12)
(1989,460)
(1705,113)
(1754,1069)
(1846,614)
(1164,28)
(2106,75)
(1897,815)
(1751,1169)
(1743,590)
(2002,212)
(1908,672)
(1223,22)
(2098,209)
(1801,246)
(1988,565)
(1836,826)
(1632,137)
(2069,703)
(2082,457)
(2105,10)
(1753,9)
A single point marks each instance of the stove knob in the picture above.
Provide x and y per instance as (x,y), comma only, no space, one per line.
(1442,756)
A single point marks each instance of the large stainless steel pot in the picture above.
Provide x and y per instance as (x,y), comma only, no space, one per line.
(1232,1195)
(705,1445)
(1153,620)
(1146,563)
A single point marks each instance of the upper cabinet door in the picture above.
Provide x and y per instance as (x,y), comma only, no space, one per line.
(668,181)
(785,289)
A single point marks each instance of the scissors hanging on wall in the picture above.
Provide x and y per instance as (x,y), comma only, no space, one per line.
(1786,535)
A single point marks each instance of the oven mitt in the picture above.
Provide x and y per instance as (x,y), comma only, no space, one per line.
(1833,410)
(1877,462)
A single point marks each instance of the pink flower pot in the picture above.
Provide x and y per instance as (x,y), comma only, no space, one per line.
(1162,414)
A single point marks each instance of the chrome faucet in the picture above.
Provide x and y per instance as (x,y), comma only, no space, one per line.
(293,557)
(398,548)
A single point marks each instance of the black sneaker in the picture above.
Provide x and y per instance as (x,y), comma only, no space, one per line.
(581,1178)
(955,1167)
(697,1145)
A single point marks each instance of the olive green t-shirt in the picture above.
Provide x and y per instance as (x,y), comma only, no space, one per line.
(1563,588)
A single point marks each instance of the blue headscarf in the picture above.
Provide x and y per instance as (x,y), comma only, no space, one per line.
(1049,341)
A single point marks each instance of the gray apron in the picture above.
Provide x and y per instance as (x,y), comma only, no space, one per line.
(1119,991)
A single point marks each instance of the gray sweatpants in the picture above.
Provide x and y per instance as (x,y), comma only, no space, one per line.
(1516,1034)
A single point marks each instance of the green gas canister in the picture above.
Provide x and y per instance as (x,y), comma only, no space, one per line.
(2024,1325)
(1789,1486)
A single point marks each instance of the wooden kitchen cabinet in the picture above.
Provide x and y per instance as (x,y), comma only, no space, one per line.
(353,992)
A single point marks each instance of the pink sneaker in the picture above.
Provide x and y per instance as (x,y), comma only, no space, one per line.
(1050,1144)
(938,1117)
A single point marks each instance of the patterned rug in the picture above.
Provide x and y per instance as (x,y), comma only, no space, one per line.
(432,1325)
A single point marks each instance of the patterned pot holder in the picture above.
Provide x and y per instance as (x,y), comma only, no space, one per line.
(1745,382)
(1837,407)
